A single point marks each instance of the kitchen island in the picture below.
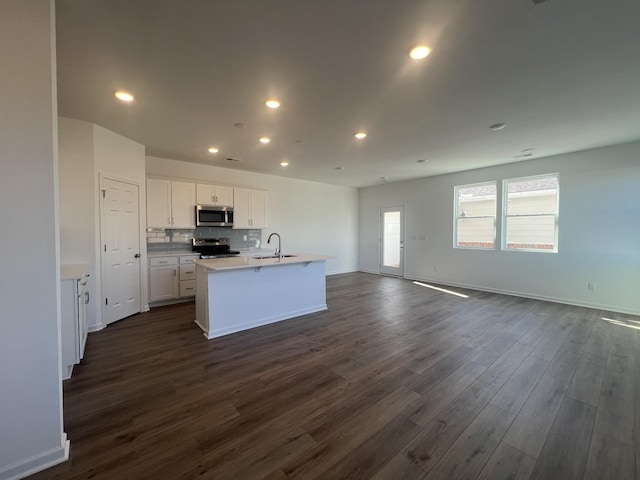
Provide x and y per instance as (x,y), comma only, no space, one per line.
(238,293)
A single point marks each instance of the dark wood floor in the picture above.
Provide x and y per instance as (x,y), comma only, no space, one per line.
(394,381)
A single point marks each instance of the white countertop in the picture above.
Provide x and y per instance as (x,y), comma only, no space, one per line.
(71,271)
(243,251)
(174,254)
(237,263)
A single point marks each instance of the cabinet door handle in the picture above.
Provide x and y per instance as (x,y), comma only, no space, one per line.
(86,298)
(169,220)
(175,272)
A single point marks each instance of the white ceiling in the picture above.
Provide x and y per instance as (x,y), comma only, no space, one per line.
(564,75)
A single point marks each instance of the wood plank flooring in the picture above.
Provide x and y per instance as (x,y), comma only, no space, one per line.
(395,381)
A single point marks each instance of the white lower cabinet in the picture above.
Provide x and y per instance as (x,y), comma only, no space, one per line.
(163,279)
(188,275)
(171,277)
(73,306)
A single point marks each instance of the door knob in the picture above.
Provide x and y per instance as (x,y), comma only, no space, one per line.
(137,255)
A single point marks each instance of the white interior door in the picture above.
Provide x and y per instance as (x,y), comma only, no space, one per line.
(121,250)
(392,241)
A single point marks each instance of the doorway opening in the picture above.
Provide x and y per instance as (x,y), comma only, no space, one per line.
(392,241)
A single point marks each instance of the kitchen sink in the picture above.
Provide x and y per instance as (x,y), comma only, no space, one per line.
(262,257)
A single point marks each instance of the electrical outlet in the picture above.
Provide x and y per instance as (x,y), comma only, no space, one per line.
(592,286)
(244,238)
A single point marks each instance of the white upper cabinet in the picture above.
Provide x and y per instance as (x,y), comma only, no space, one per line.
(214,195)
(158,203)
(258,209)
(249,210)
(183,203)
(170,204)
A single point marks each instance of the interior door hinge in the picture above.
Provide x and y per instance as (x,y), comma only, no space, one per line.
(104,194)
(105,247)
(106,301)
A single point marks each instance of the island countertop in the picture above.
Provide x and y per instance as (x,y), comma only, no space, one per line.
(238,263)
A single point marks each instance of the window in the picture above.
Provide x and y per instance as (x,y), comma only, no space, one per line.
(475,216)
(530,209)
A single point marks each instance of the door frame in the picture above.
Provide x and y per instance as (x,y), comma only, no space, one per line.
(142,244)
(401,209)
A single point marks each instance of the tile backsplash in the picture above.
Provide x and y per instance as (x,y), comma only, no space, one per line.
(169,241)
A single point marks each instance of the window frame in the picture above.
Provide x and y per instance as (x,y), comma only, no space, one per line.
(506,216)
(456,217)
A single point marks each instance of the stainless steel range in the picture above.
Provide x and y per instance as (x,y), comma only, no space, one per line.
(213,247)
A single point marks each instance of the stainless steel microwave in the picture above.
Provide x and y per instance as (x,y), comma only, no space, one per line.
(214,216)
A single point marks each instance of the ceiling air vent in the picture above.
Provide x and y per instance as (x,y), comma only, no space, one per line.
(229,159)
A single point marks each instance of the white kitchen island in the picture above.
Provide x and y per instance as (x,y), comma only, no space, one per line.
(238,293)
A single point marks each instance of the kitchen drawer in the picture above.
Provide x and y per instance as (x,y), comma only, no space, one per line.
(187,272)
(188,259)
(163,261)
(187,288)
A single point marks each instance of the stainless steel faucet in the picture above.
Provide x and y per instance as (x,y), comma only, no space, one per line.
(278,251)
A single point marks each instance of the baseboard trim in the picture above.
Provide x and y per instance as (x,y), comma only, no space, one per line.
(173,301)
(340,272)
(375,272)
(565,301)
(95,328)
(38,462)
(211,334)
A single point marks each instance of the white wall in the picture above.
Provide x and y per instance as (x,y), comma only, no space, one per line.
(598,233)
(311,217)
(31,429)
(78,202)
(89,152)
(120,158)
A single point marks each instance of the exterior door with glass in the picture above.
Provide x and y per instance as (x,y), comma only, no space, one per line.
(392,241)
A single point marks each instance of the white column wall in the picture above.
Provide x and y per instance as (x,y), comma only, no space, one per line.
(78,202)
(311,217)
(31,427)
(87,152)
(598,233)
(123,159)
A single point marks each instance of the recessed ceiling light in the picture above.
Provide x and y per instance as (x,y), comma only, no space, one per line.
(360,135)
(272,103)
(498,126)
(265,140)
(419,52)
(284,163)
(124,96)
(213,150)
